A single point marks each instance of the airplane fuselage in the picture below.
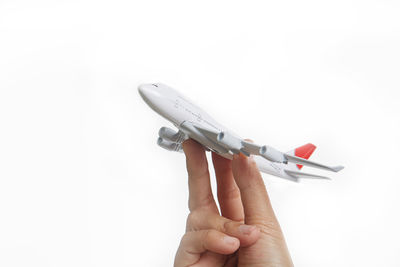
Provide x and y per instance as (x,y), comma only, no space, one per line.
(183,114)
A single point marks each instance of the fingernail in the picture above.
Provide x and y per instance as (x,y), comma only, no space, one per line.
(251,158)
(230,240)
(246,229)
(242,155)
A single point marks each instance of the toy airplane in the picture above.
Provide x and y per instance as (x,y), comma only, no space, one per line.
(194,123)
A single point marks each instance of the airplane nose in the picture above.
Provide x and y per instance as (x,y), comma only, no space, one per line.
(143,90)
(148,92)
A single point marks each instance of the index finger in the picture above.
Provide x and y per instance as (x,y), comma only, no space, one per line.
(200,194)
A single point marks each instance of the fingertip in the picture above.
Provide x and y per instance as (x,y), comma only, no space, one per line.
(187,142)
(220,163)
(193,150)
(244,164)
(241,166)
(186,146)
(247,229)
(250,233)
(218,158)
(242,158)
(190,144)
(247,234)
(239,158)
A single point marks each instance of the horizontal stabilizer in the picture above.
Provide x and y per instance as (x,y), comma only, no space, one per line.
(298,174)
(310,163)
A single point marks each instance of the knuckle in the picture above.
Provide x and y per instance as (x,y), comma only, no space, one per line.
(192,220)
(202,219)
(261,221)
(194,174)
(206,201)
(228,226)
(231,194)
(253,185)
(219,224)
(267,227)
(184,240)
(273,233)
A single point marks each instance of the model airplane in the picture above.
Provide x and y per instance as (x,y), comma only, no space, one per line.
(193,122)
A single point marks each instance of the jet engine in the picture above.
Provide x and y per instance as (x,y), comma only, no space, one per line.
(168,145)
(272,154)
(169,134)
(236,145)
(230,142)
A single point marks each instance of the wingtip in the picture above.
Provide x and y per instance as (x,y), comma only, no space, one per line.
(337,168)
(326,178)
(315,178)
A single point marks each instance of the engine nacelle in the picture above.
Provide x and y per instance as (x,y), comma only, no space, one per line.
(230,142)
(169,134)
(272,154)
(171,146)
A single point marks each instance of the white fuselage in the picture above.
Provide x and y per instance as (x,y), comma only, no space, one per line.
(179,110)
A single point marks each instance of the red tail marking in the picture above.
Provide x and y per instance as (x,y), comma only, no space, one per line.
(304,152)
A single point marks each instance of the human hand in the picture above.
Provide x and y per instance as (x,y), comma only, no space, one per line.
(246,233)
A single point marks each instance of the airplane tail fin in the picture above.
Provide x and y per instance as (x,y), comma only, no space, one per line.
(304,152)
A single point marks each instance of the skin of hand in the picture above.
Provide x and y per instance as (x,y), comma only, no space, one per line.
(246,233)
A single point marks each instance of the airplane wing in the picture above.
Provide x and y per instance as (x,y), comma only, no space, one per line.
(310,163)
(298,174)
(236,145)
(211,134)
(230,142)
(277,156)
(193,129)
(250,148)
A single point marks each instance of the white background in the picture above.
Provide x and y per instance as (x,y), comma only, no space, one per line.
(82,182)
